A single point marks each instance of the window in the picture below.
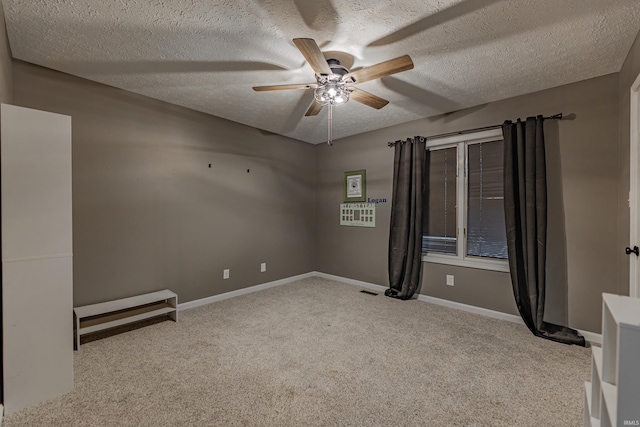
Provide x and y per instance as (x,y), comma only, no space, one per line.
(486,235)
(463,217)
(440,221)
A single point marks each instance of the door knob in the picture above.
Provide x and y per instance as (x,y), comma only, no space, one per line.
(635,250)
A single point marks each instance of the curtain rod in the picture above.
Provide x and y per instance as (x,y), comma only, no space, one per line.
(462,132)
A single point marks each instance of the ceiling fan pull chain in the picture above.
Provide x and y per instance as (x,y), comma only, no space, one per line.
(330,105)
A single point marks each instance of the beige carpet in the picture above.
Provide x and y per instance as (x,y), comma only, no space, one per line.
(320,353)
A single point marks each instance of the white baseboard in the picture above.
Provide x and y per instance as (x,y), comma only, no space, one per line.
(472,309)
(589,336)
(244,291)
(367,285)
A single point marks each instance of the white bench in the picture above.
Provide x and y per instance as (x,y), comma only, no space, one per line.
(106,315)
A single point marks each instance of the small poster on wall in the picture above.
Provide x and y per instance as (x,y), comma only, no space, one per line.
(355,185)
(358,214)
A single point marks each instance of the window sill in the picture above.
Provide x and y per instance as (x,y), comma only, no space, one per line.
(482,264)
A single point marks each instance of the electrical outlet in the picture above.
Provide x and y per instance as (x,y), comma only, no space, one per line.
(449,279)
(225,273)
(263,267)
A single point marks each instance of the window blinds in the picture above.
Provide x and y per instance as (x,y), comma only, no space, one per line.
(439,214)
(486,235)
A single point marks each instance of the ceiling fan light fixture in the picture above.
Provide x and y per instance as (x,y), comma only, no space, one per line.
(341,99)
(331,93)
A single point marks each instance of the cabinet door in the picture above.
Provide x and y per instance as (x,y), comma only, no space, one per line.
(36,184)
(38,331)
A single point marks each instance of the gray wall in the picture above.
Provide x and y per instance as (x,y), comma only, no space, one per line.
(583,202)
(6,85)
(149,213)
(6,96)
(628,75)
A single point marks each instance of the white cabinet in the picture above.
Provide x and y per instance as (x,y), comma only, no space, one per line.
(37,261)
(612,398)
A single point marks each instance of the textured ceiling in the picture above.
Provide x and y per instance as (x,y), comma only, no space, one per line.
(207,55)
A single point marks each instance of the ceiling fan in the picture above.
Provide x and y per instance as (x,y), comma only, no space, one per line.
(334,83)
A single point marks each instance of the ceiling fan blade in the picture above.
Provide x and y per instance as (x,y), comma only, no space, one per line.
(449,14)
(314,109)
(319,15)
(285,87)
(386,68)
(311,52)
(420,95)
(367,98)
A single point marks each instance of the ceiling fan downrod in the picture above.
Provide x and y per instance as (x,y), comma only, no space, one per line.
(330,106)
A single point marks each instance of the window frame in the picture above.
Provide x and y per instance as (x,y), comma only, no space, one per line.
(461,142)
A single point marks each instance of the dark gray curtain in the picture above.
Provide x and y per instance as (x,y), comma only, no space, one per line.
(525,207)
(405,236)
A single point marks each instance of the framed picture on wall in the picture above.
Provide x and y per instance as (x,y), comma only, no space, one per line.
(355,186)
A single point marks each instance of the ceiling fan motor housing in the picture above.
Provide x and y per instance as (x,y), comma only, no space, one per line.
(338,72)
(336,68)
